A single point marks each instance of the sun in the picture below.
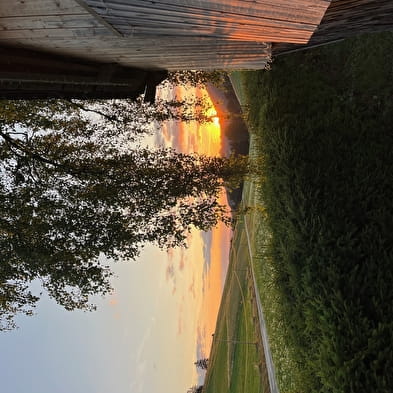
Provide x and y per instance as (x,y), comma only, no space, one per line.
(212,114)
(216,120)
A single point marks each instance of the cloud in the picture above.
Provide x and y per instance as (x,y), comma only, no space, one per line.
(170,272)
(179,326)
(207,238)
(113,301)
(140,365)
(191,288)
(182,260)
(170,254)
(201,343)
(170,275)
(137,384)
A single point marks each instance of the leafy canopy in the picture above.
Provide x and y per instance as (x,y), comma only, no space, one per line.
(73,187)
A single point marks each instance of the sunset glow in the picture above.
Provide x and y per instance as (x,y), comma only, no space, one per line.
(147,334)
(207,252)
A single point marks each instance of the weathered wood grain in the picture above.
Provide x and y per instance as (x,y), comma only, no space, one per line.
(259,20)
(170,34)
(37,7)
(60,22)
(347,18)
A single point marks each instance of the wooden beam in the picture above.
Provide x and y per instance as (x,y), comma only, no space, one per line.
(31,74)
(99,18)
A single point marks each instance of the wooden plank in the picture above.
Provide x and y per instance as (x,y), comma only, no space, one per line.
(78,34)
(272,11)
(276,33)
(101,20)
(261,21)
(183,14)
(206,56)
(53,34)
(132,18)
(73,21)
(347,18)
(303,11)
(49,14)
(155,45)
(270,35)
(38,7)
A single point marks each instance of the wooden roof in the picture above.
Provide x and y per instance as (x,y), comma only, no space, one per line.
(250,21)
(160,34)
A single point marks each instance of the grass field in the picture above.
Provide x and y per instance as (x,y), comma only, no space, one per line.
(235,363)
(322,213)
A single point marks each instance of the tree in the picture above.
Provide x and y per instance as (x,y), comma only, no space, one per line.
(127,119)
(139,114)
(72,188)
(202,363)
(195,389)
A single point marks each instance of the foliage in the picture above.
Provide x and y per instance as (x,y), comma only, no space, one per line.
(195,389)
(73,187)
(202,363)
(196,78)
(323,119)
(128,118)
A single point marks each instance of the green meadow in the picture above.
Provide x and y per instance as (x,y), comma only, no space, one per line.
(235,363)
(319,208)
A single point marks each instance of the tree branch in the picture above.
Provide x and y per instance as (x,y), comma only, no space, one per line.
(96,111)
(11,141)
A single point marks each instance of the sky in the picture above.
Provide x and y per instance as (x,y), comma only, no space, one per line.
(146,336)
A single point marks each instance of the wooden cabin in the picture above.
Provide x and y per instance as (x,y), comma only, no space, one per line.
(344,19)
(120,48)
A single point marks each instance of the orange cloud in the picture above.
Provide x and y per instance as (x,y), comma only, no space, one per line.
(170,253)
(191,288)
(170,272)
(113,301)
(182,261)
(179,326)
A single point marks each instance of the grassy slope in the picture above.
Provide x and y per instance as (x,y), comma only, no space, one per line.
(322,121)
(235,359)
